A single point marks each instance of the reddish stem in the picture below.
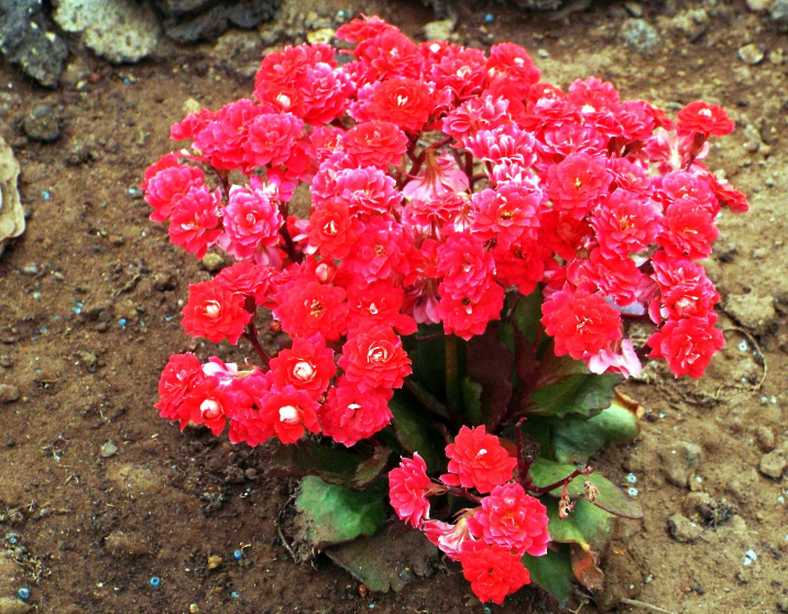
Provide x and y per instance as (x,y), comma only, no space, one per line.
(290,247)
(540,490)
(251,335)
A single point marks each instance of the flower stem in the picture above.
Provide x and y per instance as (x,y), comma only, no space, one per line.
(452,373)
(251,335)
(426,398)
(564,482)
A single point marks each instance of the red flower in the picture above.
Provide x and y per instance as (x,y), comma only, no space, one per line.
(704,118)
(511,64)
(378,303)
(331,230)
(626,224)
(513,520)
(689,231)
(577,181)
(581,324)
(688,344)
(351,414)
(179,377)
(211,404)
(409,486)
(270,138)
(166,182)
(470,314)
(466,266)
(249,280)
(308,307)
(215,313)
(194,221)
(375,143)
(290,412)
(493,572)
(478,460)
(307,365)
(405,102)
(374,358)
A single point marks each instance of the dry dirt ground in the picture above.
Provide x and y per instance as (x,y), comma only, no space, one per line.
(89,304)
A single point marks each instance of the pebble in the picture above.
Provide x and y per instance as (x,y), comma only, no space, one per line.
(438,30)
(212,262)
(88,359)
(126,544)
(120,31)
(108,449)
(679,462)
(779,14)
(322,36)
(12,605)
(214,562)
(750,54)
(773,464)
(43,123)
(759,6)
(754,312)
(9,393)
(683,530)
(634,9)
(765,438)
(640,36)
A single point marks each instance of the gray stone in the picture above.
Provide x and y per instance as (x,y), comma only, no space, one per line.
(118,30)
(438,30)
(750,54)
(640,36)
(216,18)
(12,605)
(43,123)
(8,393)
(693,23)
(779,14)
(123,544)
(108,449)
(26,40)
(759,6)
(182,7)
(683,530)
(12,215)
(773,464)
(679,462)
(754,312)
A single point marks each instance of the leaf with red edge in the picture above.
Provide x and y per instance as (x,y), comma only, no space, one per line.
(585,568)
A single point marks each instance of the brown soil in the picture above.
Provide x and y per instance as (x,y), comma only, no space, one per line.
(177,498)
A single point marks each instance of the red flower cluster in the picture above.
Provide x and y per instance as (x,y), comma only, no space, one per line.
(601,200)
(489,540)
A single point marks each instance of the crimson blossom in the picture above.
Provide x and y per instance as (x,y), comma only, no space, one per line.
(444,183)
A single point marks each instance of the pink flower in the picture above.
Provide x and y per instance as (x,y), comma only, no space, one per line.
(478,460)
(251,221)
(450,539)
(578,181)
(270,138)
(409,486)
(194,223)
(166,182)
(513,520)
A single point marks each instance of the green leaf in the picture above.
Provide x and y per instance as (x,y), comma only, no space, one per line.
(552,572)
(389,559)
(370,469)
(428,354)
(572,389)
(472,400)
(527,315)
(587,525)
(330,514)
(610,498)
(575,440)
(415,433)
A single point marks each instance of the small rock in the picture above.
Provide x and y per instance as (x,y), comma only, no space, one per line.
(765,438)
(43,124)
(108,449)
(640,36)
(120,544)
(782,604)
(773,464)
(120,31)
(12,605)
(214,562)
(8,393)
(634,9)
(683,530)
(759,5)
(693,23)
(750,54)
(135,479)
(6,361)
(212,262)
(12,214)
(754,312)
(213,19)
(679,462)
(323,35)
(88,359)
(438,30)
(27,41)
(779,14)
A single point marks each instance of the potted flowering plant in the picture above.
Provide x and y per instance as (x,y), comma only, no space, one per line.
(457,300)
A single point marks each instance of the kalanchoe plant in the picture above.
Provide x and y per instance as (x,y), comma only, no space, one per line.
(458,298)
